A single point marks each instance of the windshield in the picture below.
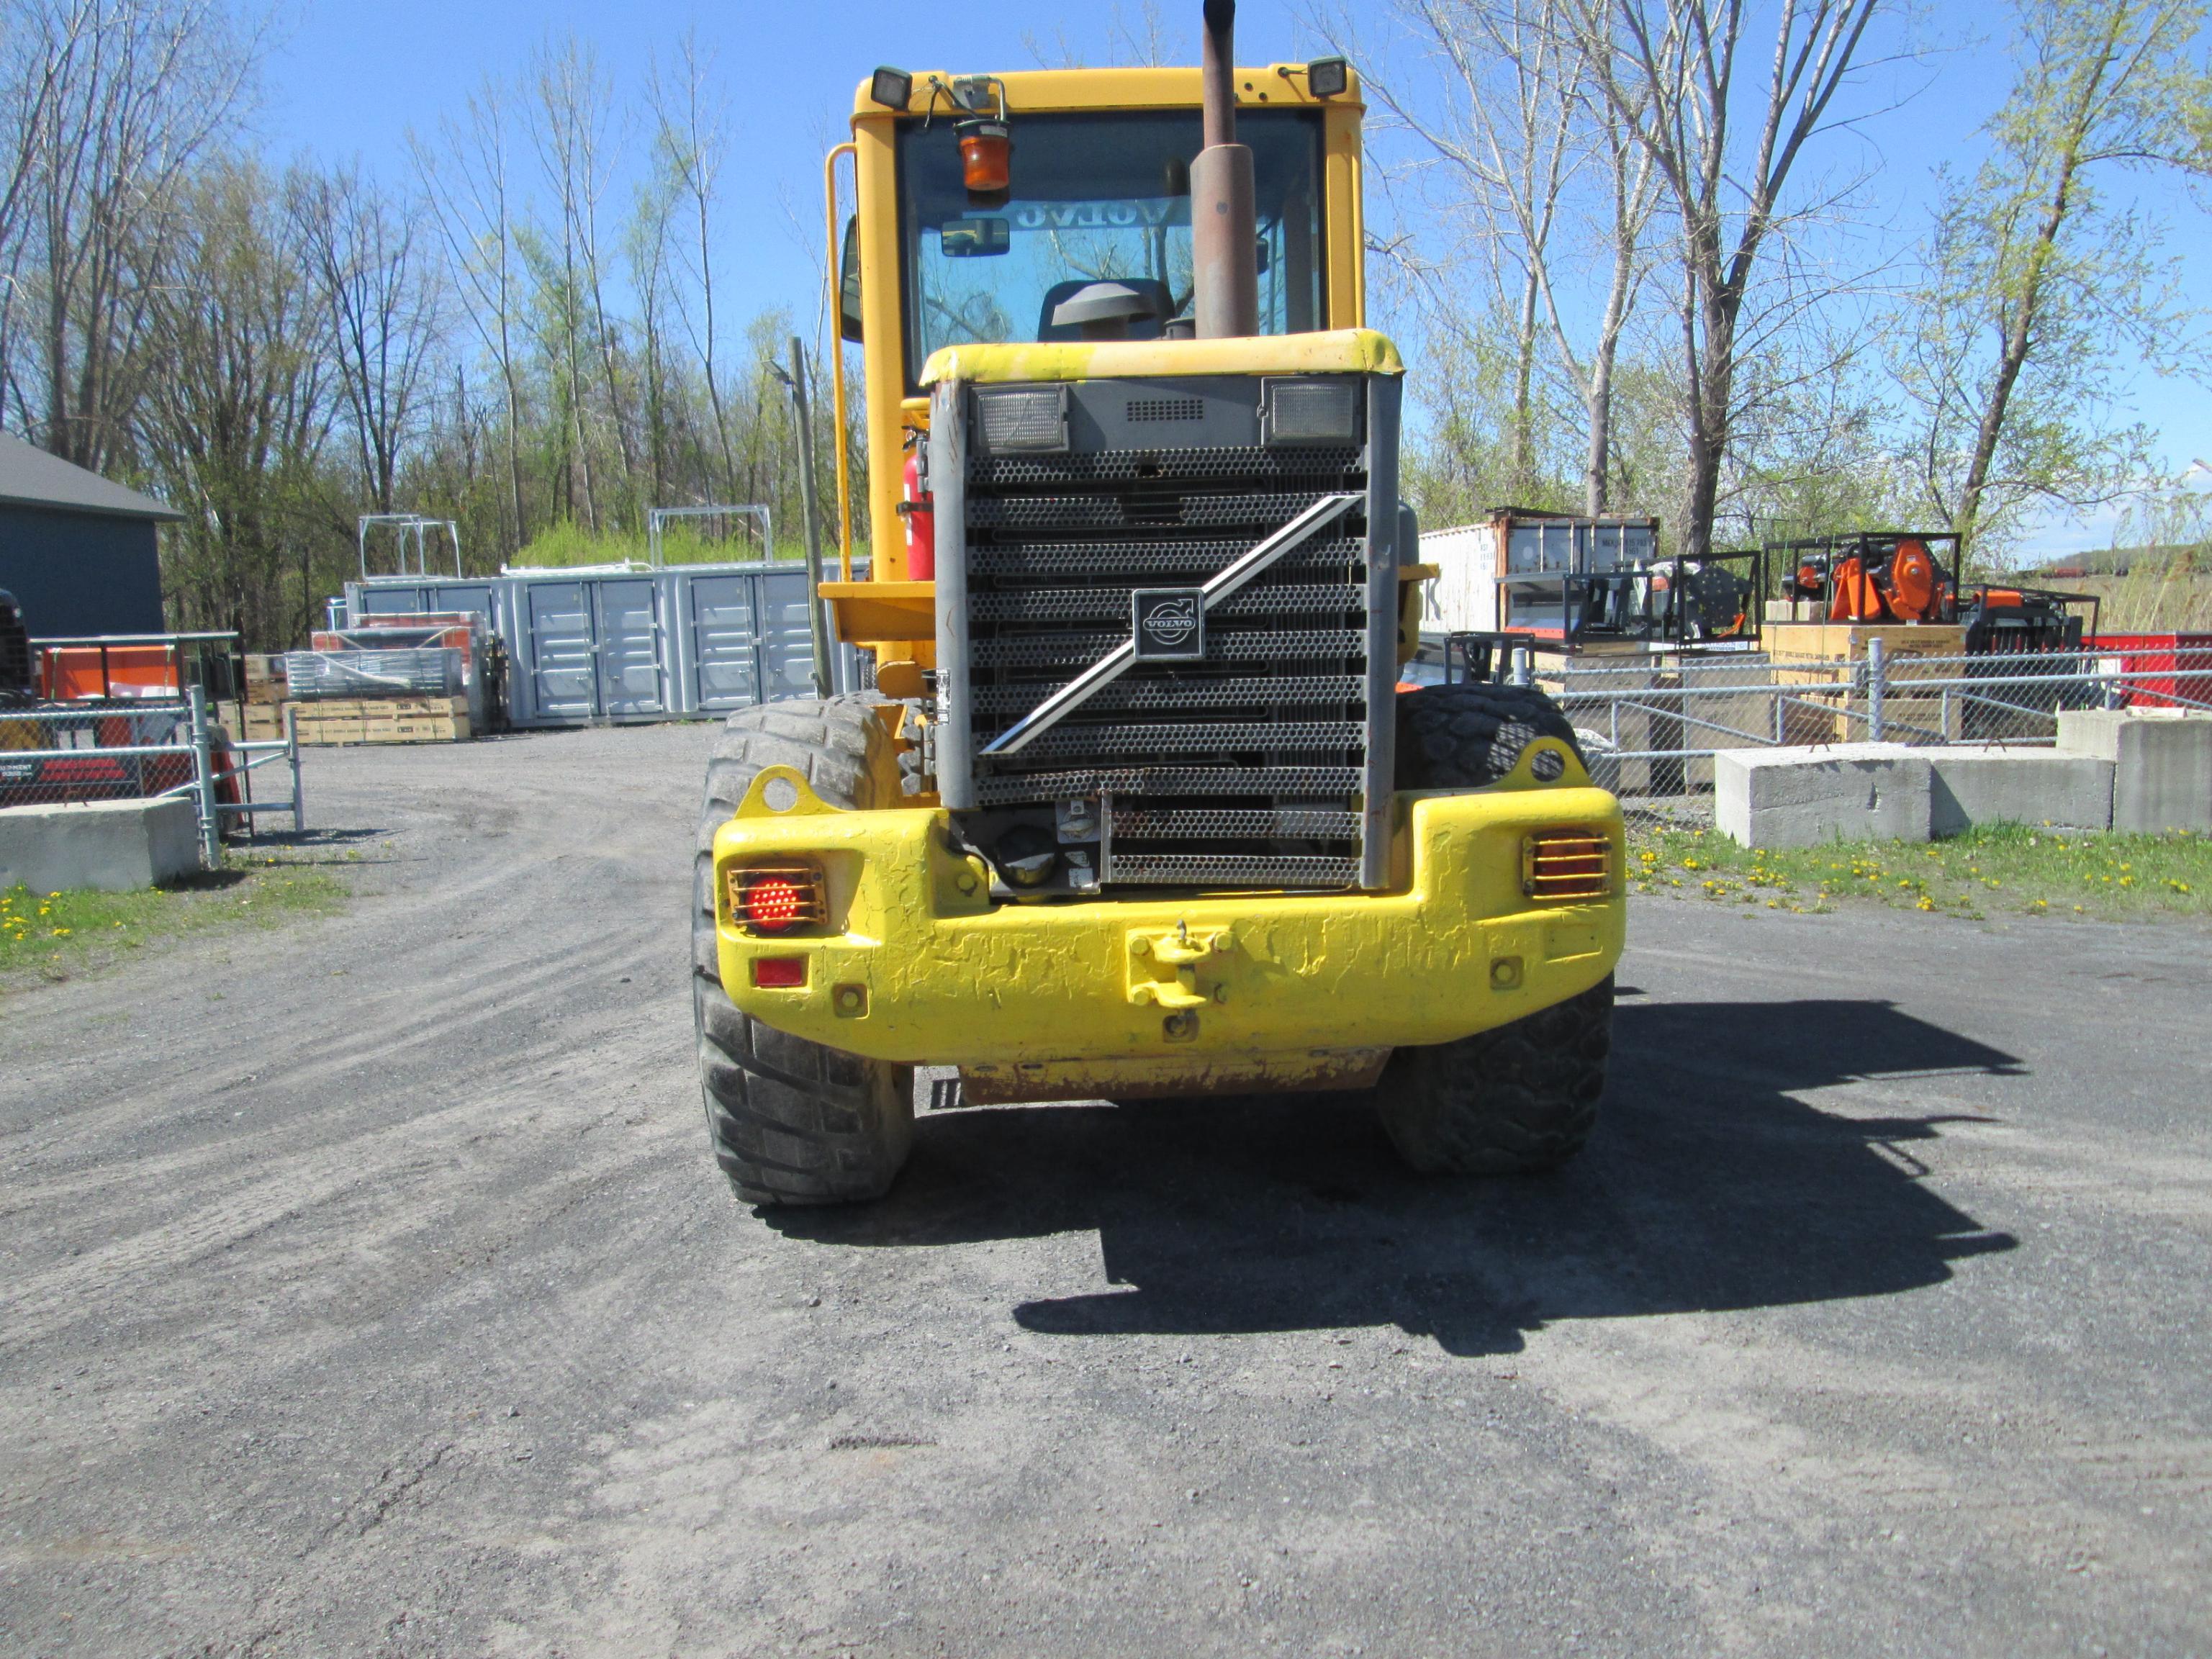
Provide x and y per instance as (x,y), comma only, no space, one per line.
(1095,199)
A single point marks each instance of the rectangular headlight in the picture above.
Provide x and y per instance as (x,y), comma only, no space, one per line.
(1321,410)
(1028,420)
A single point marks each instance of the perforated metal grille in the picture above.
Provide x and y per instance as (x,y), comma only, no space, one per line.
(1200,824)
(1284,737)
(1243,770)
(1149,558)
(1171,782)
(1143,696)
(1146,507)
(1167,409)
(1227,869)
(1223,645)
(1247,465)
(1094,604)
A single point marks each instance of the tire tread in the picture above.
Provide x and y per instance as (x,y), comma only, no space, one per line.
(790,1120)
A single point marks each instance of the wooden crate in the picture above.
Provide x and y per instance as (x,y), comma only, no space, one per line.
(452,728)
(1816,642)
(339,720)
(333,729)
(264,679)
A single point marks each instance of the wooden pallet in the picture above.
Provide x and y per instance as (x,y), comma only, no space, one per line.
(338,721)
(1818,641)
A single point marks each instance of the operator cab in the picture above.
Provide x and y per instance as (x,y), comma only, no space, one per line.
(1090,238)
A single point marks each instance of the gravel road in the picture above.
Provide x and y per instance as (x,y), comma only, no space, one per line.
(366,1288)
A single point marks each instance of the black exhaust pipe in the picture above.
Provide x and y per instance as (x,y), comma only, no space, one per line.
(1224,227)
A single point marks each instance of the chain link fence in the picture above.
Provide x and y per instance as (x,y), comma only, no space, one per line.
(128,749)
(1652,729)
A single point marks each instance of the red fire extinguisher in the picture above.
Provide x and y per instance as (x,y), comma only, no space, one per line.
(921,522)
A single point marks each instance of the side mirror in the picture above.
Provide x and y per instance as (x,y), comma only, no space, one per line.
(974,239)
(848,283)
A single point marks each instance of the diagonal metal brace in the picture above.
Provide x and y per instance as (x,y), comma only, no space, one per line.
(1111,666)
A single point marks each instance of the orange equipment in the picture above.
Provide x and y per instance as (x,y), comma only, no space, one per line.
(1854,597)
(1907,586)
(72,673)
(1915,585)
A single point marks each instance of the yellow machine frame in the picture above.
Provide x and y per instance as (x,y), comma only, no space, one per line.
(913,961)
(916,963)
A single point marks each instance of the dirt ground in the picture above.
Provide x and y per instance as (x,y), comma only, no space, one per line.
(366,1288)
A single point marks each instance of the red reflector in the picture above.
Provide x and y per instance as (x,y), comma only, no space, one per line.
(779,973)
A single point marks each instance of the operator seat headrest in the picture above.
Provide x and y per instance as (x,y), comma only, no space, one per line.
(1126,308)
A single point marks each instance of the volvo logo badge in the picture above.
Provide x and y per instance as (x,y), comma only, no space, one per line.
(1169,623)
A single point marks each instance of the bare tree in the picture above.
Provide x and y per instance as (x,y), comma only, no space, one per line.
(132,97)
(236,423)
(1669,70)
(467,177)
(381,293)
(646,244)
(1519,129)
(34,51)
(570,116)
(691,143)
(1633,191)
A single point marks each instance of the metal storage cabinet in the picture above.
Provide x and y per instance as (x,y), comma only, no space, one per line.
(683,642)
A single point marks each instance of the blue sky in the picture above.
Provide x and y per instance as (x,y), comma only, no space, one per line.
(349,79)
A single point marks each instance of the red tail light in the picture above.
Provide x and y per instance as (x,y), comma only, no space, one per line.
(776,900)
(779,973)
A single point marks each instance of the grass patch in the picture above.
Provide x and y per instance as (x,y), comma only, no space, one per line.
(2003,869)
(46,937)
(565,544)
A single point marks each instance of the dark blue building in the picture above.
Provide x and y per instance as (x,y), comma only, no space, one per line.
(77,550)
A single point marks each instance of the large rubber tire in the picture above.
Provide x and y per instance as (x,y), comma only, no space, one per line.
(791,1122)
(1466,736)
(1522,1097)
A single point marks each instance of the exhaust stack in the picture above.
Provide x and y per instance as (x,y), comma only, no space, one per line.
(1224,227)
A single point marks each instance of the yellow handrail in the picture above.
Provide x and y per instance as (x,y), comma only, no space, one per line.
(837,358)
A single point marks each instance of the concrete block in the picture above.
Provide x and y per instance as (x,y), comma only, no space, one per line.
(1809,797)
(115,846)
(2162,759)
(1990,783)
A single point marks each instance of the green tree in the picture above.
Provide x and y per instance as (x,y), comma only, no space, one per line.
(2044,289)
(237,423)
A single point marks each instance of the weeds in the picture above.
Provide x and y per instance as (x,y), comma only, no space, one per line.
(2012,868)
(46,937)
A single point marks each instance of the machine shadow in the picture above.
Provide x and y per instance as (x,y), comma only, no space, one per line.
(1706,1187)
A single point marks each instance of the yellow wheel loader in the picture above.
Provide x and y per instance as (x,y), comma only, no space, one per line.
(1137,806)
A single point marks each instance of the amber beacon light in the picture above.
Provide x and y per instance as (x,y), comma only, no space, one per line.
(987,156)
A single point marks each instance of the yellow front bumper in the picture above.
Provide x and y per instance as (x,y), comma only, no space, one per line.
(918,965)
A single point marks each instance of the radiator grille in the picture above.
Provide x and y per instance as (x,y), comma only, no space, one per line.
(1243,770)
